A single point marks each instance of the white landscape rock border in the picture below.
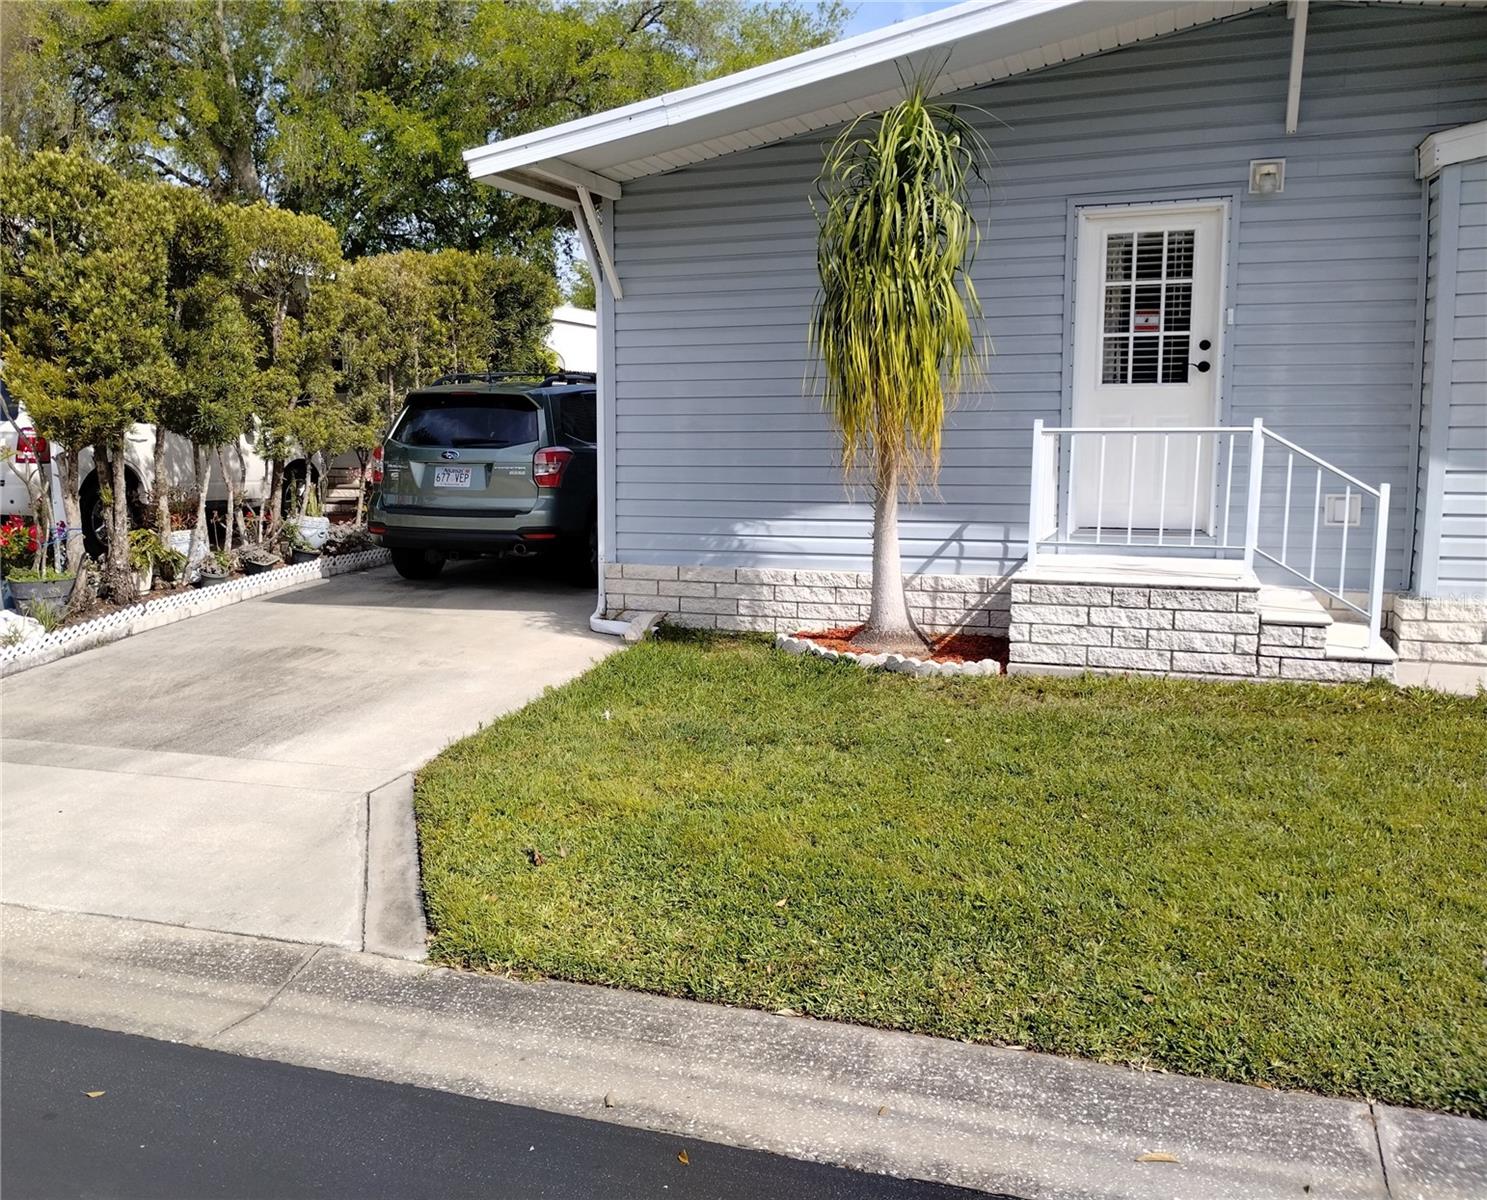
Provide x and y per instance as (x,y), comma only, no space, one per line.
(115,626)
(900,664)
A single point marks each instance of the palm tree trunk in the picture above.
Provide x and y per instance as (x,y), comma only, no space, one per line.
(889,628)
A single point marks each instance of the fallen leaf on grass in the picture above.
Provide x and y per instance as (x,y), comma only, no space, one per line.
(681,1157)
(1157,1156)
(562,851)
(92,1095)
(535,856)
(781,902)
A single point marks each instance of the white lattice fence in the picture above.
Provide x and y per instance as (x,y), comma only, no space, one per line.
(179,606)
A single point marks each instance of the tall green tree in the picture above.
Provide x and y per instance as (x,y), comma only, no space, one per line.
(893,319)
(289,289)
(213,344)
(490,312)
(581,292)
(357,110)
(83,291)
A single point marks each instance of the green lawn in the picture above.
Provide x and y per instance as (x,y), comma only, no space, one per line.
(1265,883)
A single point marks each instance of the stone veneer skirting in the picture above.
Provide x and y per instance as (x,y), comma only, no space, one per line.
(1173,631)
(1439,630)
(781,600)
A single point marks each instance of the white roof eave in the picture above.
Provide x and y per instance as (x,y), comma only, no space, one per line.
(969,44)
(975,43)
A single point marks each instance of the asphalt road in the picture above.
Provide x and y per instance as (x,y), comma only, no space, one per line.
(177,1121)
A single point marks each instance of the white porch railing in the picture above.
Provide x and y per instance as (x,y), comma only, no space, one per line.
(1081,475)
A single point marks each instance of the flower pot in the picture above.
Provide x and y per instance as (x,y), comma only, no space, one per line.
(144,580)
(258,568)
(314,530)
(50,591)
(209,576)
(304,556)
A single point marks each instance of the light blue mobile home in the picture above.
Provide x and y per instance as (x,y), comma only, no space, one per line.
(1199,217)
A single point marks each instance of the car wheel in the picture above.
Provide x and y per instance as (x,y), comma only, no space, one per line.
(95,523)
(417,564)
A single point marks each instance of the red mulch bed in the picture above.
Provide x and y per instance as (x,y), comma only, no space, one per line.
(947,648)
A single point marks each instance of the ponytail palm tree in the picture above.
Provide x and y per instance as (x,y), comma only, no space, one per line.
(892,321)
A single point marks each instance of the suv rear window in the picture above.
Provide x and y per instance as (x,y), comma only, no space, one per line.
(489,421)
(576,417)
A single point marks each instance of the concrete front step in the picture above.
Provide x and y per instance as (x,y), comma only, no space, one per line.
(1173,616)
(1292,606)
(1296,618)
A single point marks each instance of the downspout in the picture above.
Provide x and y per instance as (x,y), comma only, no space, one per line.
(604,399)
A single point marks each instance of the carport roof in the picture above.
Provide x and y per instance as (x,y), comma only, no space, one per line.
(970,44)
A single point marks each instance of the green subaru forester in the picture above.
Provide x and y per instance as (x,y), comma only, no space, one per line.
(490,464)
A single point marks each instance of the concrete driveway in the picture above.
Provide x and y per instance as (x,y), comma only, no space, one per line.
(220,772)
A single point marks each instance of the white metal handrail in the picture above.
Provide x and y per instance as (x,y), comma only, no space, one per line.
(1052,525)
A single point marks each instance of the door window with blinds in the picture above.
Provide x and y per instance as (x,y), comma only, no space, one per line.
(1148,306)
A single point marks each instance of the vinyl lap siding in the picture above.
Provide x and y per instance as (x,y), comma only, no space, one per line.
(723,457)
(1463,532)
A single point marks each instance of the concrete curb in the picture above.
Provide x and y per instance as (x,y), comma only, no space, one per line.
(392,914)
(116,626)
(1001,1120)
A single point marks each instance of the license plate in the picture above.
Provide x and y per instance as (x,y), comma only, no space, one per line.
(453,476)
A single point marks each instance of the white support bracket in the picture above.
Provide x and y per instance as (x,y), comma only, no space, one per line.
(596,241)
(1298,57)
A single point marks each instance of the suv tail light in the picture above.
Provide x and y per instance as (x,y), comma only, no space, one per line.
(549,464)
(377,465)
(29,448)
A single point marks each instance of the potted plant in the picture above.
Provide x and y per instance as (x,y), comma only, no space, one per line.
(294,544)
(149,556)
(34,583)
(312,525)
(259,559)
(215,568)
(45,586)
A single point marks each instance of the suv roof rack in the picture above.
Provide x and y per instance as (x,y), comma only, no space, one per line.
(550,379)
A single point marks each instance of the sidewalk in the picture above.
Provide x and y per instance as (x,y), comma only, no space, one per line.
(1008,1121)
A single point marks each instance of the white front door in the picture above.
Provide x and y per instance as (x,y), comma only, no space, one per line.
(1146,340)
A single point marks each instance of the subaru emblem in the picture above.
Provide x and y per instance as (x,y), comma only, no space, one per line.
(451,454)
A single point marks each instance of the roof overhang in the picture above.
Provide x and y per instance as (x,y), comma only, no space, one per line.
(1465,143)
(971,44)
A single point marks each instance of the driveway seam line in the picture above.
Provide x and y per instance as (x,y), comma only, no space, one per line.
(1378,1142)
(305,961)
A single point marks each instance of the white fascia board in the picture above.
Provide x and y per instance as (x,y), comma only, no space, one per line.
(1465,143)
(875,48)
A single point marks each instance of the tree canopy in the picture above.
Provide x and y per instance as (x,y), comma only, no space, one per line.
(356,111)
